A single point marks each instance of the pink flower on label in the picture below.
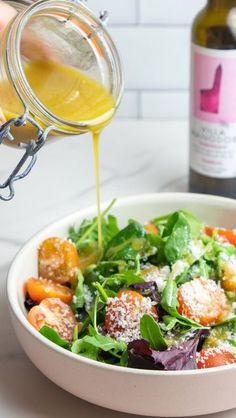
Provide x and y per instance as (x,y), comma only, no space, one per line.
(210,98)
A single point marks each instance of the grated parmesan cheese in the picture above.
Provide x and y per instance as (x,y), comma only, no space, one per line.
(124,314)
(197,248)
(157,275)
(88,297)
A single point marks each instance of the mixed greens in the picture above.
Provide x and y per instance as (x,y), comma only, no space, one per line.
(156,296)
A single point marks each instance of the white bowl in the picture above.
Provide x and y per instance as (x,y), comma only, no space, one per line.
(144,392)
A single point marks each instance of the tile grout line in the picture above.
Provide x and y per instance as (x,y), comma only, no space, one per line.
(137,23)
(156,90)
(139,104)
(137,10)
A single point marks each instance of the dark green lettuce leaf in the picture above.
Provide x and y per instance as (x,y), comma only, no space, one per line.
(178,236)
(128,243)
(91,346)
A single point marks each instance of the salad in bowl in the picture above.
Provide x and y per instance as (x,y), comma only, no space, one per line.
(134,326)
(158,295)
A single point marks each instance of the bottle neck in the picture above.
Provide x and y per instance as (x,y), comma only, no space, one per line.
(221,4)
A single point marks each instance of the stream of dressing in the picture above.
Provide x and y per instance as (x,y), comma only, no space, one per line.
(70,95)
(96,138)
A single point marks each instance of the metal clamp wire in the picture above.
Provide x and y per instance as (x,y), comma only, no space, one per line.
(30,154)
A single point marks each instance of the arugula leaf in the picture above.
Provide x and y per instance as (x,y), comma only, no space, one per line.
(104,269)
(125,279)
(105,343)
(76,332)
(185,276)
(124,359)
(83,323)
(158,243)
(102,292)
(232,342)
(214,250)
(223,332)
(129,242)
(169,323)
(169,297)
(202,265)
(178,232)
(172,219)
(112,227)
(229,321)
(88,233)
(165,223)
(78,298)
(196,226)
(53,336)
(198,268)
(160,222)
(112,281)
(96,309)
(151,332)
(85,349)
(89,346)
(204,268)
(92,331)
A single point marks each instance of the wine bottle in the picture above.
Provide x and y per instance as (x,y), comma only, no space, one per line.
(213,100)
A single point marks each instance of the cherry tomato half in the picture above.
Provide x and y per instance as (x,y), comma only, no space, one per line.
(55,314)
(123,313)
(202,301)
(228,234)
(39,289)
(58,260)
(214,357)
(151,229)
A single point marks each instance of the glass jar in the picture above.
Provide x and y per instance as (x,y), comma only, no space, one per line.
(68,34)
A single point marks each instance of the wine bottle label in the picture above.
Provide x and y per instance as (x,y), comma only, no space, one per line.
(213,112)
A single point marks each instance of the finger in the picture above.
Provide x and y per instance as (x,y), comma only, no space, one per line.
(34,49)
(2,117)
(31,47)
(6,14)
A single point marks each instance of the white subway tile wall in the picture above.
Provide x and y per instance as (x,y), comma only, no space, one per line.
(121,12)
(153,38)
(169,12)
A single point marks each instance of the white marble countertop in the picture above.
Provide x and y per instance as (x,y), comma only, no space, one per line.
(136,157)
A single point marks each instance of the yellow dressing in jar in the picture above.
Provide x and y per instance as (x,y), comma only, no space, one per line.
(70,95)
(65,91)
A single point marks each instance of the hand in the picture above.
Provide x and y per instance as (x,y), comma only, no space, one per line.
(30,47)
(6,14)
